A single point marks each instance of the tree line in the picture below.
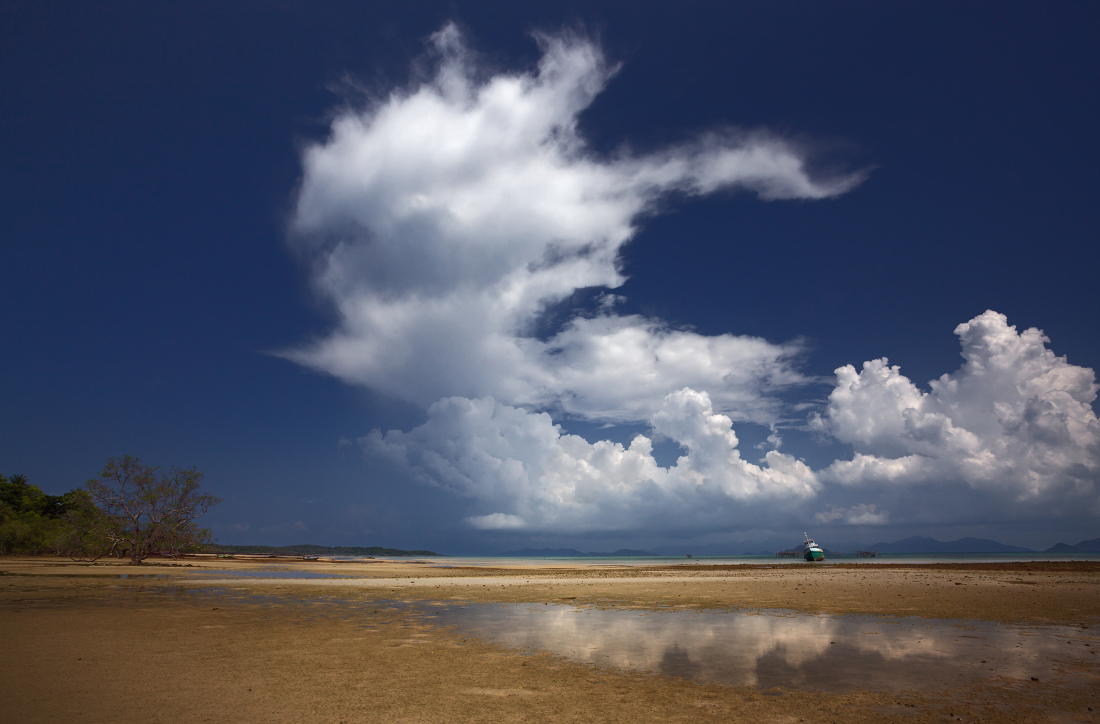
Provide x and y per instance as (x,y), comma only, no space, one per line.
(130,510)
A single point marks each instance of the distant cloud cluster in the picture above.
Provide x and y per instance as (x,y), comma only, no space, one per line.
(443,221)
(1014,423)
(862,514)
(545,480)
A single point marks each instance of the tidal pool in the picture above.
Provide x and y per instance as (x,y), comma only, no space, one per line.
(768,649)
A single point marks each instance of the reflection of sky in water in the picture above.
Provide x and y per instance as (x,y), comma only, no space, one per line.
(768,649)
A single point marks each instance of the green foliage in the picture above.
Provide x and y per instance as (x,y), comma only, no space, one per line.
(129,509)
(21,497)
(87,531)
(30,520)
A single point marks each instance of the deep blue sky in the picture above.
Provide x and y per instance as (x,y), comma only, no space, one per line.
(150,158)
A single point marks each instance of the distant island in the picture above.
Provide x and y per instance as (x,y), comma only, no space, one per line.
(572,553)
(307,549)
(921,544)
(1085,546)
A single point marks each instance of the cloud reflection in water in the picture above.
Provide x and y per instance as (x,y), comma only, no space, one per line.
(769,649)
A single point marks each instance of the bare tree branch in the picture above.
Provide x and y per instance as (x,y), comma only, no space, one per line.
(145,510)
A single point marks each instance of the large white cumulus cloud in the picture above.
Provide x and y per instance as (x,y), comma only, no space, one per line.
(525,473)
(446,221)
(443,220)
(1014,424)
(1010,435)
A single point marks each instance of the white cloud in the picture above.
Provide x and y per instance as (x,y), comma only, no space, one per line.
(497,521)
(526,473)
(1014,424)
(862,514)
(1009,435)
(443,220)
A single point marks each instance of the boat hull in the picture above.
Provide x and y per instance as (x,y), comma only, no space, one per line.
(815,554)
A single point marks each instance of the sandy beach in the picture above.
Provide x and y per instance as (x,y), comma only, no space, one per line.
(196,640)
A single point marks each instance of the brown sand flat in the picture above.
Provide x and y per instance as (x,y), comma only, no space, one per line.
(1047,592)
(81,646)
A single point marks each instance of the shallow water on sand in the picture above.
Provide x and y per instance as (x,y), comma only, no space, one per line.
(274,573)
(768,649)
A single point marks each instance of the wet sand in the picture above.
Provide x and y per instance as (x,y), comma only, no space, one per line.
(194,643)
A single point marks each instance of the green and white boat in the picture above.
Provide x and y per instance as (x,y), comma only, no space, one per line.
(813,550)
